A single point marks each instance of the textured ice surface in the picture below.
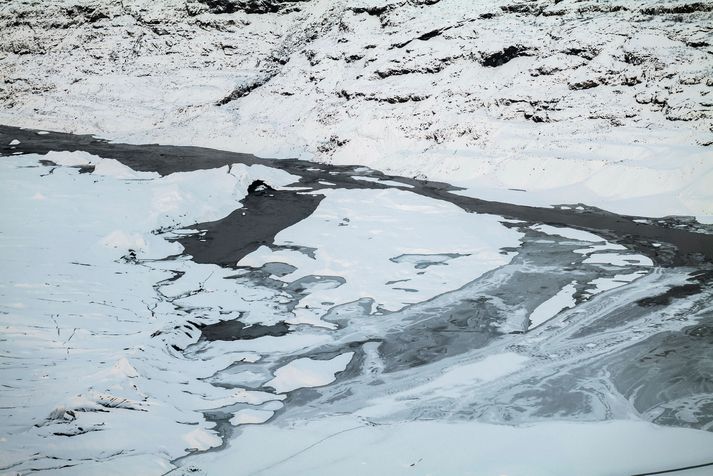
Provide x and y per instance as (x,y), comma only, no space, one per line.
(429,447)
(85,312)
(362,237)
(387,329)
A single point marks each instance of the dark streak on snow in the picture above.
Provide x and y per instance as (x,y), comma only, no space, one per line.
(264,214)
(236,330)
(680,246)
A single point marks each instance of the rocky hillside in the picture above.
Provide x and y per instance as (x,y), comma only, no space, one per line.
(606,102)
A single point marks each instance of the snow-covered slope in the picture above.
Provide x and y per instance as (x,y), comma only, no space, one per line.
(601,102)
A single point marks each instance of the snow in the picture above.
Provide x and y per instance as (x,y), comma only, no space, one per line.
(308,372)
(201,439)
(562,300)
(604,247)
(570,233)
(249,416)
(340,90)
(71,159)
(124,241)
(384,225)
(346,445)
(617,259)
(467,375)
(605,284)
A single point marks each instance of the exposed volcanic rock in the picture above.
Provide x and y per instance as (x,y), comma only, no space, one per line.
(501,57)
(678,9)
(243,90)
(247,6)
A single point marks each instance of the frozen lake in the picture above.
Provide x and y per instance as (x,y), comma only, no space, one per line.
(183,310)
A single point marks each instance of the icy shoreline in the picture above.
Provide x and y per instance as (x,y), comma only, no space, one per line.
(442,328)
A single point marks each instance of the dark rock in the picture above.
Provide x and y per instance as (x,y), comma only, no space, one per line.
(554,13)
(431,34)
(586,84)
(247,6)
(331,144)
(258,186)
(424,37)
(84,168)
(431,69)
(527,8)
(536,117)
(697,44)
(243,90)
(87,13)
(586,53)
(678,9)
(631,58)
(602,9)
(503,56)
(398,98)
(130,257)
(545,71)
(373,11)
(348,95)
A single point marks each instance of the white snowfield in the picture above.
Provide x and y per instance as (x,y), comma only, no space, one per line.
(604,103)
(77,350)
(475,449)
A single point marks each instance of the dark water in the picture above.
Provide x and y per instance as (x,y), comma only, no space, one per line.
(685,247)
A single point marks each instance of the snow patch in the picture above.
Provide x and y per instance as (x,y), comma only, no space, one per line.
(308,372)
(564,299)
